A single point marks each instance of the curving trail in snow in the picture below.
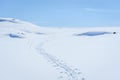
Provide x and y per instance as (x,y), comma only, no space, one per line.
(72,74)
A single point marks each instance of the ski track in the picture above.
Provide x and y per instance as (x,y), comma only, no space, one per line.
(72,74)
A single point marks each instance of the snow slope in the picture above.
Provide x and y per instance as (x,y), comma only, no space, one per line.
(30,52)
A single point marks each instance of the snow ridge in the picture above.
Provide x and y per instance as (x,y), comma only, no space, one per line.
(13,20)
(95,33)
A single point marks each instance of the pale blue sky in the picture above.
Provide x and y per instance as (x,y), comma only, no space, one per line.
(64,13)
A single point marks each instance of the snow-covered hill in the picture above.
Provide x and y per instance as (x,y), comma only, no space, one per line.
(30,52)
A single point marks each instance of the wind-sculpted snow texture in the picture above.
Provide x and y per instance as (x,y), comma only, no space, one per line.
(94,33)
(15,35)
(71,73)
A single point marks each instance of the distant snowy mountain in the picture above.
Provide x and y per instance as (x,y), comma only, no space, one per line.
(30,52)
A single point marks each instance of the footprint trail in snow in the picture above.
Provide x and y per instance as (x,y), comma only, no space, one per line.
(72,74)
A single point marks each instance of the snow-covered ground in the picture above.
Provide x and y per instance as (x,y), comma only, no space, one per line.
(30,52)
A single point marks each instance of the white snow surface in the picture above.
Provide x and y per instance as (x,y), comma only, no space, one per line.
(30,52)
